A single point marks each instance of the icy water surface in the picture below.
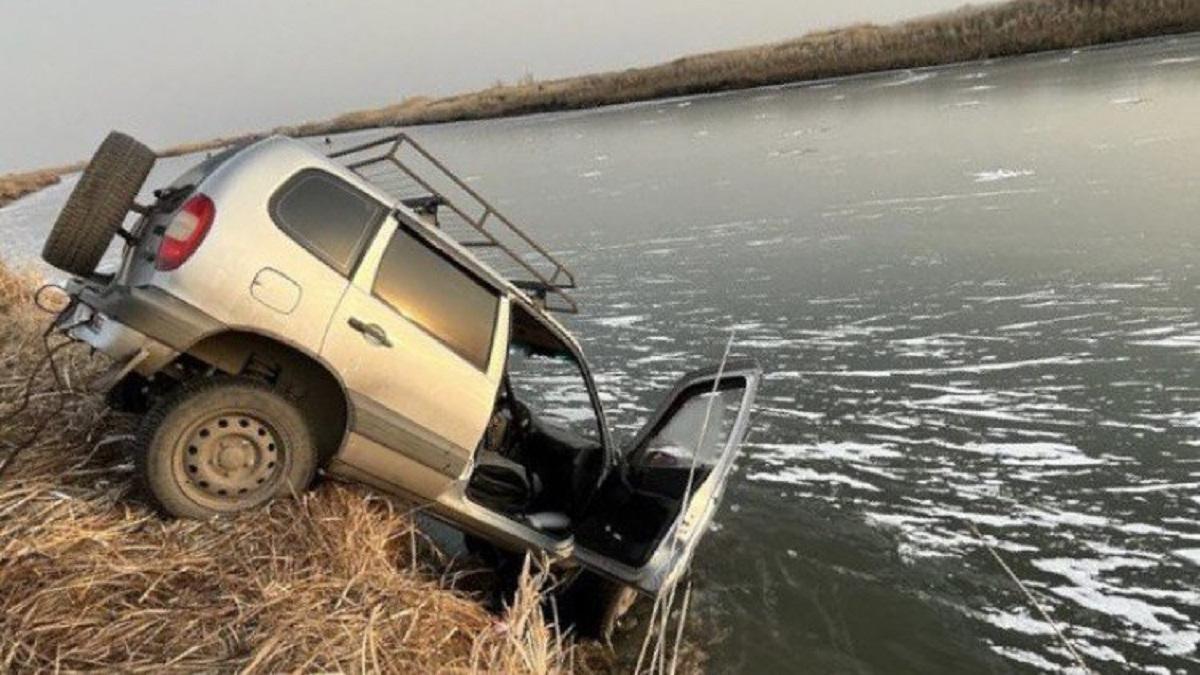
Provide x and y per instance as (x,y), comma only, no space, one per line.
(975,291)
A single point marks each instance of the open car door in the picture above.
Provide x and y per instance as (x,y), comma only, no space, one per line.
(645,521)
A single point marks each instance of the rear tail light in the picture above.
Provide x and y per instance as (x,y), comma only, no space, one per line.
(185,232)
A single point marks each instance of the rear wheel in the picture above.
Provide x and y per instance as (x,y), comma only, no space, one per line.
(223,445)
(97,206)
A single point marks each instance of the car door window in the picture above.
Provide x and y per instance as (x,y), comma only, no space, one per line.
(643,525)
(439,296)
(697,431)
(327,216)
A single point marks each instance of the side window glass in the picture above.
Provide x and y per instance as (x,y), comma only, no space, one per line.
(553,389)
(327,216)
(434,293)
(545,376)
(697,430)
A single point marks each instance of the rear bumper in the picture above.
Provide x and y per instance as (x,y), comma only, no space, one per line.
(129,348)
(143,327)
(148,310)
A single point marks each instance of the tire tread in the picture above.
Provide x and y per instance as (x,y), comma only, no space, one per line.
(144,440)
(97,206)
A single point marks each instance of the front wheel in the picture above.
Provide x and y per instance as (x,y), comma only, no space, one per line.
(222,445)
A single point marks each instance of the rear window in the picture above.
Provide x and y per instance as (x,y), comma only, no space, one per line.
(439,296)
(327,216)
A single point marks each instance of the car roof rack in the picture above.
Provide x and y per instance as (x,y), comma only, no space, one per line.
(399,166)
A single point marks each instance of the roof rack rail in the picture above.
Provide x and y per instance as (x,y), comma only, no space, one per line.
(380,162)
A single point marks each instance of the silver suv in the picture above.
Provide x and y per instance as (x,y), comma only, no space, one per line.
(279,312)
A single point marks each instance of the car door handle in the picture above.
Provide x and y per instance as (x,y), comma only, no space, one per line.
(373,332)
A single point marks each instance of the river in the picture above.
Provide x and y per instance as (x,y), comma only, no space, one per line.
(975,293)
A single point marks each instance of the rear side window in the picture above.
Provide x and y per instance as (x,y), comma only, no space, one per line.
(439,296)
(327,216)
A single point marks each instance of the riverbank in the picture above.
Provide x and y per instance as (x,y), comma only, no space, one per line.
(339,580)
(971,33)
(13,186)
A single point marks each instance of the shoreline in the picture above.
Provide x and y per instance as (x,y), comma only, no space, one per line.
(970,34)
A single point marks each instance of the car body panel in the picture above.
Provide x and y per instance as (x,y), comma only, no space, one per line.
(416,374)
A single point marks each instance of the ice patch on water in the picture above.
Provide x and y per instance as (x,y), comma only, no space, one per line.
(1152,487)
(948,197)
(763,342)
(619,321)
(1178,418)
(1191,555)
(1181,341)
(846,451)
(1042,322)
(1001,174)
(756,243)
(660,358)
(794,475)
(974,369)
(1019,621)
(1026,657)
(1159,624)
(1119,286)
(1038,453)
(910,77)
(1176,60)
(787,412)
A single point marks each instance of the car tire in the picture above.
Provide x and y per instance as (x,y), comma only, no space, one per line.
(221,445)
(97,206)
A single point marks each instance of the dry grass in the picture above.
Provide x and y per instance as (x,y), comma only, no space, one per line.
(1005,29)
(339,580)
(13,186)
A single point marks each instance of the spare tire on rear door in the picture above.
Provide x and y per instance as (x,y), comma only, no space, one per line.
(96,208)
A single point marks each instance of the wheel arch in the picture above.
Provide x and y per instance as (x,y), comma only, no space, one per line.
(302,375)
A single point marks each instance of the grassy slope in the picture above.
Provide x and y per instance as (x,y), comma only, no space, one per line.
(338,580)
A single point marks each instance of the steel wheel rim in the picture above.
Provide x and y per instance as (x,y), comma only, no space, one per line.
(230,459)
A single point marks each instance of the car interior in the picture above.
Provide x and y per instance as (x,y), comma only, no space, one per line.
(541,457)
(637,505)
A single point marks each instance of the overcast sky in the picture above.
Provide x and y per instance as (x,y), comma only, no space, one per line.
(185,70)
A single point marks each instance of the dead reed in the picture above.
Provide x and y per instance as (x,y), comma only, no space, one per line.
(338,580)
(13,186)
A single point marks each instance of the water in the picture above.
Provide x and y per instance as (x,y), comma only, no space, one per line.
(975,291)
